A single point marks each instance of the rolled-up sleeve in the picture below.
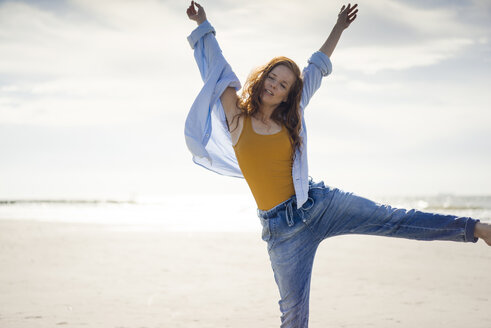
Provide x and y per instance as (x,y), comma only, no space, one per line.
(202,29)
(322,62)
(319,66)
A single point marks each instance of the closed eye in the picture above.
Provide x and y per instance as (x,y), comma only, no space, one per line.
(272,78)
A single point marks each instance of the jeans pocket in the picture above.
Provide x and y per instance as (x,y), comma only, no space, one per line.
(266,232)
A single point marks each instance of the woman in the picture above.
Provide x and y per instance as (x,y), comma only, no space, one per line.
(261,136)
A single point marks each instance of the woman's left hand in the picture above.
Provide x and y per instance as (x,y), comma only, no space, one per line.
(346,16)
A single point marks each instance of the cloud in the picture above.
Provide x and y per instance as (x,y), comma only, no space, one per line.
(35,41)
(371,59)
(387,35)
(88,61)
(400,35)
(435,21)
(94,63)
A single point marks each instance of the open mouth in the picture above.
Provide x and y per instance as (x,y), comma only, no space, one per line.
(268,92)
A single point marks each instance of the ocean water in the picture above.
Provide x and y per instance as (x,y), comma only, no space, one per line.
(204,212)
(171,213)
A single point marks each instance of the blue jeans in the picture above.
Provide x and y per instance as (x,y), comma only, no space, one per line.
(293,236)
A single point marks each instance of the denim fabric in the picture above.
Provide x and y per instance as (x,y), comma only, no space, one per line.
(293,235)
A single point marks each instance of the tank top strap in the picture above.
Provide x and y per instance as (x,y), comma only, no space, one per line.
(247,128)
(247,121)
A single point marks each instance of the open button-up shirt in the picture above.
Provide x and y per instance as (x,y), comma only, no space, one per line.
(206,131)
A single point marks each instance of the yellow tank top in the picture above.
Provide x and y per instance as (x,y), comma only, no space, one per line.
(265,162)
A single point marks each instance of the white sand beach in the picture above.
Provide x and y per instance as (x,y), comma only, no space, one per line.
(87,275)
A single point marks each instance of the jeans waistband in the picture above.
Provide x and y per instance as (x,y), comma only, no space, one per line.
(275,210)
(288,205)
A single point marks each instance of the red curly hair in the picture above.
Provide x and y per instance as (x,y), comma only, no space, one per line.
(287,113)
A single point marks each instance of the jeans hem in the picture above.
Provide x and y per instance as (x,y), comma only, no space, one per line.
(470,225)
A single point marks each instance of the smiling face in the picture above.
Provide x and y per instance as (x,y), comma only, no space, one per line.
(275,91)
(277,85)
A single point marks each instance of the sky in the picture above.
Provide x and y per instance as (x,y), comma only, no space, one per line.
(94,95)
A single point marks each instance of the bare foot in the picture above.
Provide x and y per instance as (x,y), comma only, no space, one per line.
(483,231)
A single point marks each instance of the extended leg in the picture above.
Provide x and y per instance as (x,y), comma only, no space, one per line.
(348,213)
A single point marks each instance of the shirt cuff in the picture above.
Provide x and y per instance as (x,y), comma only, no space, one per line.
(322,62)
(202,29)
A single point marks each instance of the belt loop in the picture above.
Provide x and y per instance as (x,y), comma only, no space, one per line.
(302,214)
(289,214)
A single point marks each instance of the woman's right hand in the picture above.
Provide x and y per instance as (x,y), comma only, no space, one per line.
(199,16)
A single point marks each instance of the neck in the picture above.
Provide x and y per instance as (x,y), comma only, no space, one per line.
(265,112)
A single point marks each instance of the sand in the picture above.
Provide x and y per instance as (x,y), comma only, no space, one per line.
(65,274)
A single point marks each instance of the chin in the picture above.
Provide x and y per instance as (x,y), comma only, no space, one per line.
(265,101)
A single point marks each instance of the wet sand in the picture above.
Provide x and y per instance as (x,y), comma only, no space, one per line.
(64,274)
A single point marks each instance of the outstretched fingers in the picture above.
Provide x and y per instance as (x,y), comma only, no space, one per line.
(349,13)
(352,16)
(349,9)
(352,8)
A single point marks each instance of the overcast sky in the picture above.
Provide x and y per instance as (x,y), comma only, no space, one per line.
(94,94)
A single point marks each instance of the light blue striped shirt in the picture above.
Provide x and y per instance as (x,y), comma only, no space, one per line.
(206,131)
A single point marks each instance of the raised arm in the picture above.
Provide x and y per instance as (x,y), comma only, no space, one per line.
(202,39)
(229,96)
(319,64)
(345,17)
